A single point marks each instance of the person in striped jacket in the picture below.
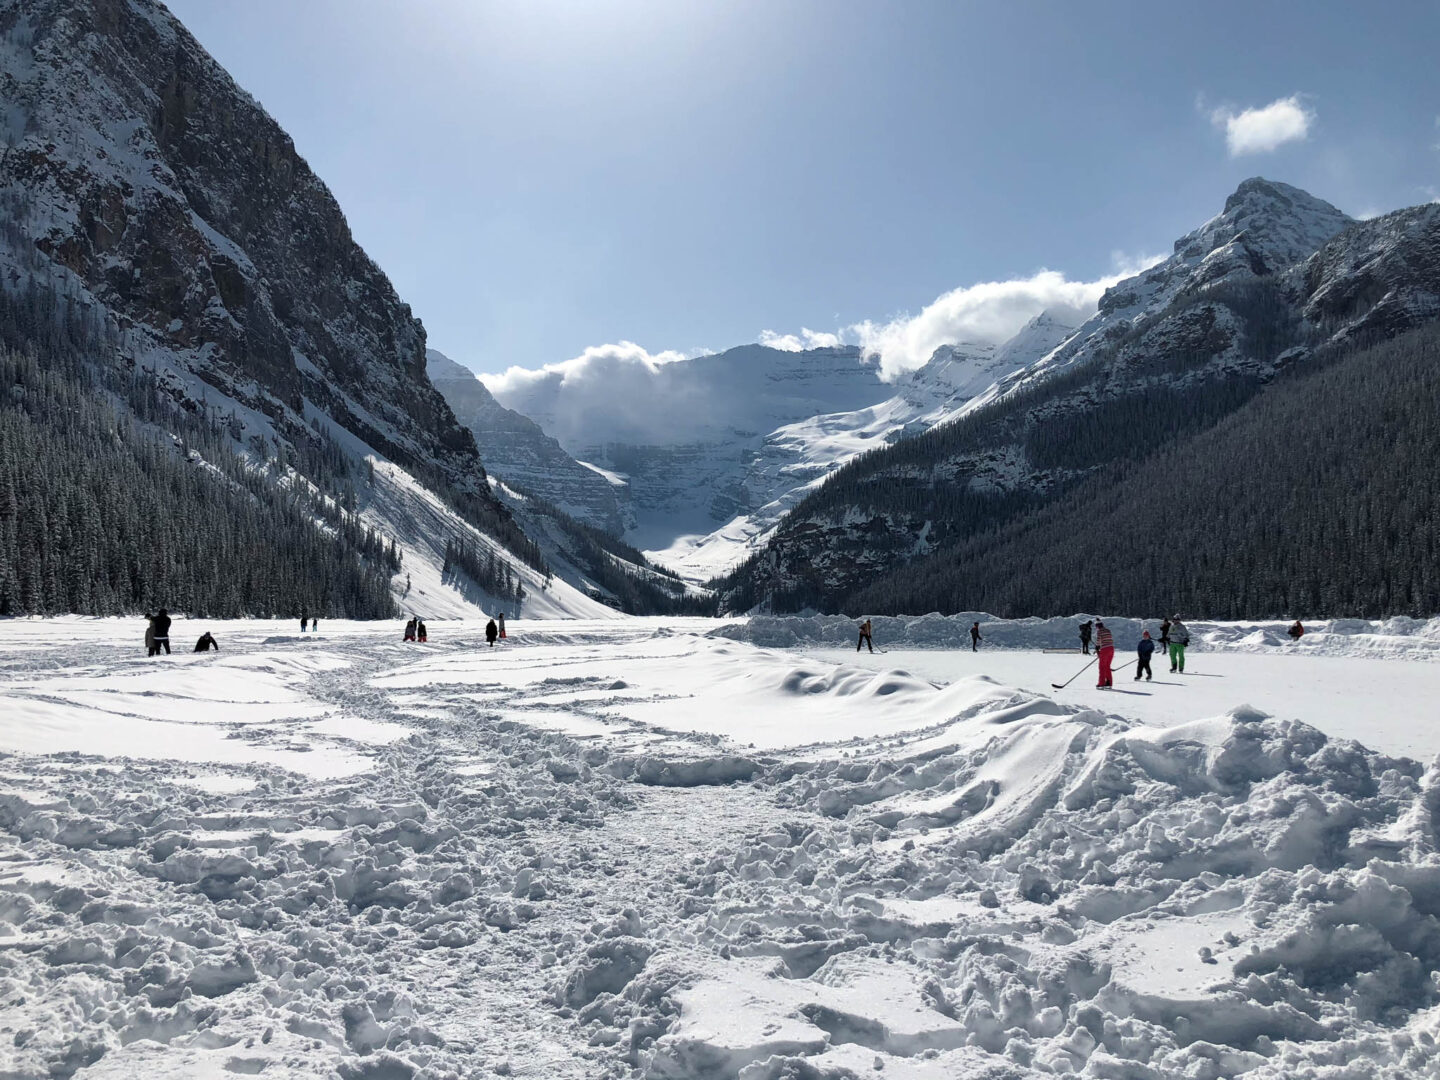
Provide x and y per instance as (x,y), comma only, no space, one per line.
(1105,649)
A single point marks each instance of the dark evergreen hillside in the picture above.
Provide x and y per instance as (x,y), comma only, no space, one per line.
(1319,495)
(114,500)
(1266,290)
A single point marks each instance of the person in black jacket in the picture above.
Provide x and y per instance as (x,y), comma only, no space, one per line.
(160,624)
(1144,651)
(491,632)
(1085,637)
(207,642)
(975,637)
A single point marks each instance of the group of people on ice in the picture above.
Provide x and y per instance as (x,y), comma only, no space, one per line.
(1174,637)
(416,631)
(157,635)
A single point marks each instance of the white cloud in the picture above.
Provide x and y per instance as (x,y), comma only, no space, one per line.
(1258,131)
(989,312)
(806,339)
(597,362)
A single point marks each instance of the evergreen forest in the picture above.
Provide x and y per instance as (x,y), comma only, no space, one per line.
(1317,497)
(116,500)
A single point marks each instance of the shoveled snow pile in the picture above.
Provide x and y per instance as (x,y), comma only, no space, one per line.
(598,850)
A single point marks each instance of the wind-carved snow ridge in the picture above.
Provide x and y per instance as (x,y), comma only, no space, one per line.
(626,849)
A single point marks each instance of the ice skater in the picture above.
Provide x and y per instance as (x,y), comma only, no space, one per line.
(1143,652)
(1105,649)
(865,637)
(1085,637)
(975,638)
(1179,638)
(491,632)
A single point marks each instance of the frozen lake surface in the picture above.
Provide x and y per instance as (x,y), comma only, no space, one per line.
(655,848)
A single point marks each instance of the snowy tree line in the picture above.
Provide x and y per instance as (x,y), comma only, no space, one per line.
(114,499)
(1318,497)
(484,568)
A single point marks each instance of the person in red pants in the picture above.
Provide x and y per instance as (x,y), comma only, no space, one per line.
(1105,649)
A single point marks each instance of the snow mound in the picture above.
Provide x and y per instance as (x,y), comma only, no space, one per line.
(1230,896)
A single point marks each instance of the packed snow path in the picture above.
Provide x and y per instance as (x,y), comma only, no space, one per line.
(630,850)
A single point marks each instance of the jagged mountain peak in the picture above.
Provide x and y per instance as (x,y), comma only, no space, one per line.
(1276,223)
(441,368)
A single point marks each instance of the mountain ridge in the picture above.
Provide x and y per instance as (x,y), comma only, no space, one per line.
(1171,350)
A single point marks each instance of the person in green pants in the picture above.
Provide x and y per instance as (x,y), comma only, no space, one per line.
(1179,638)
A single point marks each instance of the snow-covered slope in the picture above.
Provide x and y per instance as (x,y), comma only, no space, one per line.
(516,449)
(711,452)
(149,197)
(683,436)
(796,458)
(1274,278)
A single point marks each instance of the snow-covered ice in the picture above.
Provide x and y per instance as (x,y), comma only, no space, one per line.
(657,848)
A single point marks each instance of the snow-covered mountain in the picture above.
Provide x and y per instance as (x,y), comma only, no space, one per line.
(153,208)
(712,451)
(1277,277)
(517,450)
(793,460)
(682,436)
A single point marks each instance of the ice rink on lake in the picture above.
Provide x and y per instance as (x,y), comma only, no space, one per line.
(657,848)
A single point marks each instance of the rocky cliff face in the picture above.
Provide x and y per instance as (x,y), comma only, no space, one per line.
(137,179)
(518,452)
(1276,276)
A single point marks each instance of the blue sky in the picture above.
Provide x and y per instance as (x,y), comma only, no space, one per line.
(539,178)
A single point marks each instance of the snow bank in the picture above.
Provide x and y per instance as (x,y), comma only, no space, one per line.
(1398,637)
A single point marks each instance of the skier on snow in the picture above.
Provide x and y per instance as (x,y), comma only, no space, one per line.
(1144,651)
(1179,638)
(491,632)
(1085,638)
(865,638)
(1105,649)
(207,642)
(975,638)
